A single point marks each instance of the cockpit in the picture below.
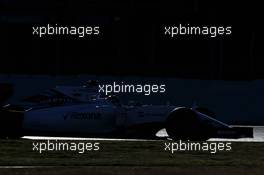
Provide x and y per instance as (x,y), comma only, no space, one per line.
(50,96)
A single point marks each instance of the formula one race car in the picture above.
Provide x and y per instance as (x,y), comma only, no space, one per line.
(80,111)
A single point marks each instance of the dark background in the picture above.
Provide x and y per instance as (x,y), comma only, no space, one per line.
(132,42)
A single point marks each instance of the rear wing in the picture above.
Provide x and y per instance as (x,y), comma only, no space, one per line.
(6,91)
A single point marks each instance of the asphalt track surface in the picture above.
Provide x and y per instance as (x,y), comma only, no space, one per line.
(258,137)
(153,170)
